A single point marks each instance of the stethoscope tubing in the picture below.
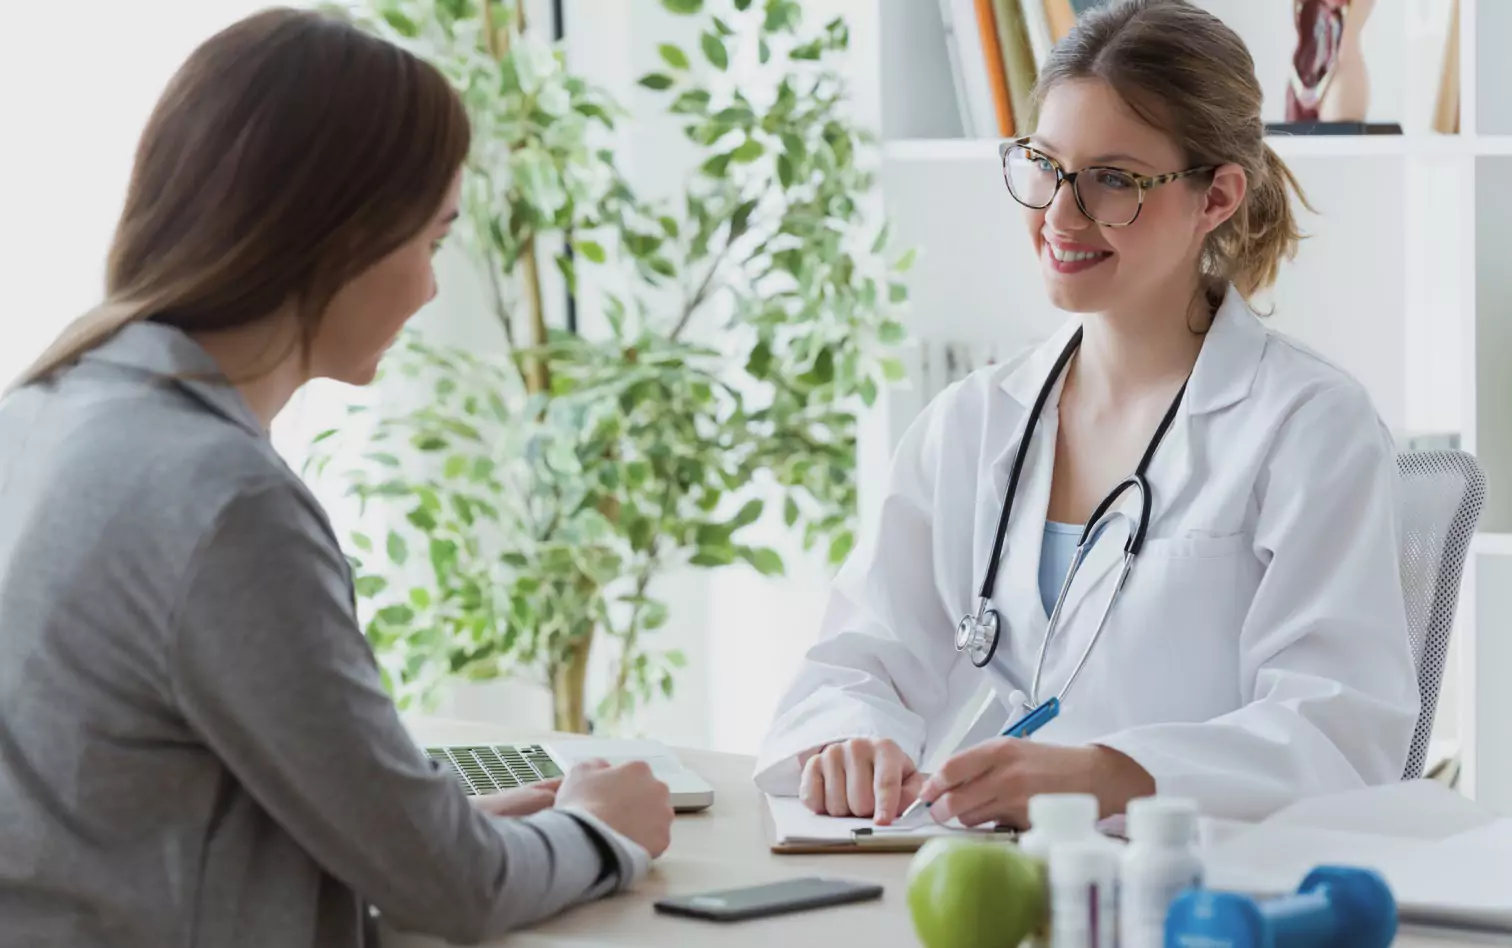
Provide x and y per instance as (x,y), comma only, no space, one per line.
(986,617)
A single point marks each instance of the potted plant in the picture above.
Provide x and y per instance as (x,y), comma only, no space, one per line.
(526,504)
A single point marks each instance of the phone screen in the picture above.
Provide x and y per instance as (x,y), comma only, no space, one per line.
(775,898)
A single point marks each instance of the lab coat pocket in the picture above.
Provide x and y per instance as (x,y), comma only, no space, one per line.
(1195,547)
(1185,604)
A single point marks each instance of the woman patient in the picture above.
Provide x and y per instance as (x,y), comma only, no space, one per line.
(195,748)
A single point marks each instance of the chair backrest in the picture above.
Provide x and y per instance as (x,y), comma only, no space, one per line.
(1442,493)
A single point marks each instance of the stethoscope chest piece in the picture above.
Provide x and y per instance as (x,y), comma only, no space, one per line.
(977,635)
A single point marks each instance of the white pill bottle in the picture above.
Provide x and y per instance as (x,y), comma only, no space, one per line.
(1083,895)
(1160,862)
(1057,819)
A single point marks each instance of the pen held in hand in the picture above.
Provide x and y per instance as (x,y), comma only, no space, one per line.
(1024,727)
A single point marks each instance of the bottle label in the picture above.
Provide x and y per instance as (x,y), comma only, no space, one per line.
(1084,917)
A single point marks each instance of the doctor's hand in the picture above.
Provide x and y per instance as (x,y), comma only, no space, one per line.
(993,781)
(860,777)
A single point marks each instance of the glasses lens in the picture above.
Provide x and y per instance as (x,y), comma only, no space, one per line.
(1108,197)
(1030,177)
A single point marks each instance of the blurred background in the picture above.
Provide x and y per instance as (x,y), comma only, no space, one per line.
(717,254)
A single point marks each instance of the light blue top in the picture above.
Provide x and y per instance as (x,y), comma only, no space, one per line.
(1055,559)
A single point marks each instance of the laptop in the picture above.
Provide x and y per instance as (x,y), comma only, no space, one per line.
(489,768)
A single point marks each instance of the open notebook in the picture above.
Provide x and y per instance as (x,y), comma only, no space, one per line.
(797,830)
(1446,859)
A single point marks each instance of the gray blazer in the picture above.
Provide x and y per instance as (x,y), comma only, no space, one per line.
(195,748)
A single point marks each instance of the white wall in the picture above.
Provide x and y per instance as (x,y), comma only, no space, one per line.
(77,82)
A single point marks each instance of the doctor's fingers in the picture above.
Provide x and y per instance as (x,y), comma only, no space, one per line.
(832,765)
(811,784)
(968,766)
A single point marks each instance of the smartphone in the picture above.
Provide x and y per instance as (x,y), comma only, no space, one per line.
(776,898)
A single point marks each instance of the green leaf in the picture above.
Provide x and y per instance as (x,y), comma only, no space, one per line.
(592,250)
(398,550)
(370,586)
(662,266)
(713,556)
(692,102)
(667,685)
(764,50)
(676,658)
(740,221)
(659,81)
(748,151)
(810,51)
(840,546)
(742,5)
(673,56)
(748,514)
(401,24)
(882,236)
(396,615)
(422,519)
(716,167)
(714,49)
(361,541)
(893,370)
(420,597)
(683,7)
(868,390)
(780,15)
(456,466)
(430,443)
(891,332)
(790,512)
(897,292)
(328,433)
(906,261)
(669,226)
(767,562)
(723,27)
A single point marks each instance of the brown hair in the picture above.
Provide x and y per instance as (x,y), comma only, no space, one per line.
(289,153)
(1183,71)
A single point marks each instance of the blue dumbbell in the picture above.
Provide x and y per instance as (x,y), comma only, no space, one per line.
(1335,907)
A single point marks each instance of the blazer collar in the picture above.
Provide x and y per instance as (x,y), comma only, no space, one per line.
(159,350)
(1224,373)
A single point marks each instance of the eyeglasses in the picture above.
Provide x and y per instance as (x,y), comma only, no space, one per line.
(1108,196)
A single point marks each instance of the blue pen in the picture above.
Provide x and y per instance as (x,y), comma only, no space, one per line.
(1024,727)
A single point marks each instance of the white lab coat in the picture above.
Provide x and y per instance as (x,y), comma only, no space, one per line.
(1259,652)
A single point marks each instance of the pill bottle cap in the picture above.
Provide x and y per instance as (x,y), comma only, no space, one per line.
(1062,815)
(1081,864)
(1167,821)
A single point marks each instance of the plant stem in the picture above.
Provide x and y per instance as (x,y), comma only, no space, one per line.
(568,688)
(702,293)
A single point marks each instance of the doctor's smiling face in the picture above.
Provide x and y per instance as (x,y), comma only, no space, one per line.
(1102,244)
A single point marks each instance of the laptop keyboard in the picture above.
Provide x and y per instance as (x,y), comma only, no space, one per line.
(490,768)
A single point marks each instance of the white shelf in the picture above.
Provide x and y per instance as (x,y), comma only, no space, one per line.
(1288,146)
(1492,544)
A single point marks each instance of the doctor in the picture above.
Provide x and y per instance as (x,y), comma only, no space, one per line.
(1257,651)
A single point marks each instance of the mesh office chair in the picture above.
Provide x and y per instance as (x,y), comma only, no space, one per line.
(1442,496)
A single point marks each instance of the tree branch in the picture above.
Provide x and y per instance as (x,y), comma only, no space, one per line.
(701,294)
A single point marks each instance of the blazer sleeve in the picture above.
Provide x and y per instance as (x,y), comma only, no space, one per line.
(1326,671)
(271,669)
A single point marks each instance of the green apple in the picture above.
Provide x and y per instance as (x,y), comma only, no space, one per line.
(971,893)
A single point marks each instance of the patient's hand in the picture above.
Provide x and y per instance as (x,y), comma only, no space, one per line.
(520,802)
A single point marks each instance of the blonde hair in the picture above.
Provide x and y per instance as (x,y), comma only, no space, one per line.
(289,153)
(1185,72)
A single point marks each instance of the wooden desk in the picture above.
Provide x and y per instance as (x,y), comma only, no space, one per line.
(722,847)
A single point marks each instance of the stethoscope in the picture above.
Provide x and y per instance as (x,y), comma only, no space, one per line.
(978,634)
